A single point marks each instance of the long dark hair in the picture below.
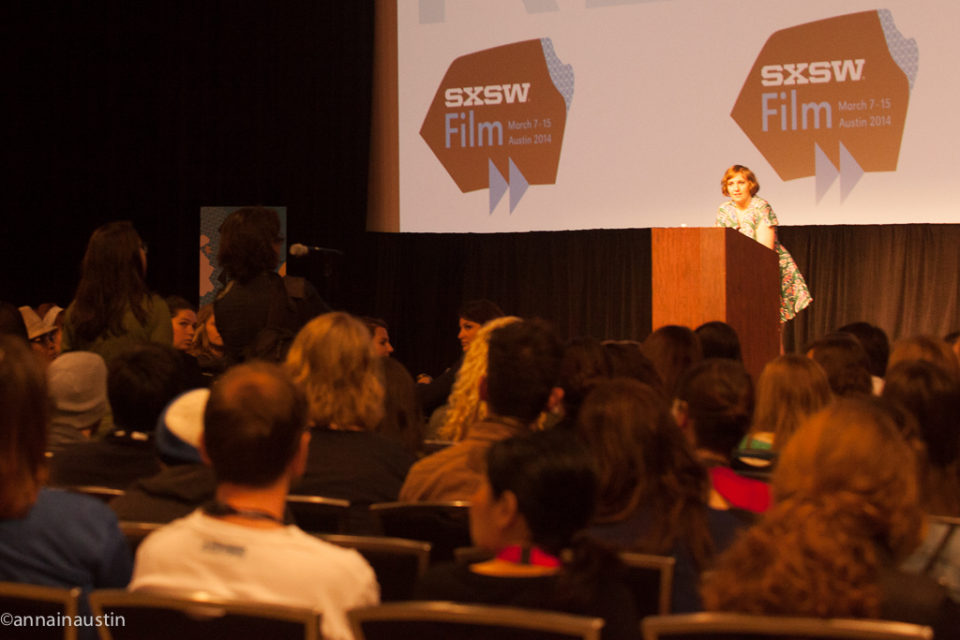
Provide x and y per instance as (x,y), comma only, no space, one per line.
(112,280)
(23,427)
(247,237)
(554,481)
(644,462)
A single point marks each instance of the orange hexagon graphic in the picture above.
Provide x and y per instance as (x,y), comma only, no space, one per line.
(830,98)
(498,117)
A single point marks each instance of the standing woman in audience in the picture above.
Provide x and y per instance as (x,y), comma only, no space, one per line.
(47,536)
(652,494)
(113,308)
(846,512)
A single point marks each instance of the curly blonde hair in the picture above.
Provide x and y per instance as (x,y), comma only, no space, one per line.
(846,502)
(333,360)
(465,404)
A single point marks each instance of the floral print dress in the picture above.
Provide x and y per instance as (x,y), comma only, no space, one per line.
(794,294)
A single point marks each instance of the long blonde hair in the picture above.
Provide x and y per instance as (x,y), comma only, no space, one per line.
(465,404)
(333,360)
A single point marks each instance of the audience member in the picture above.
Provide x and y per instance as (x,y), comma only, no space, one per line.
(875,343)
(402,418)
(719,340)
(207,345)
(714,405)
(77,386)
(522,363)
(381,335)
(932,397)
(238,547)
(42,332)
(843,358)
(472,315)
(333,360)
(47,537)
(625,359)
(652,490)
(113,309)
(953,339)
(140,383)
(537,492)
(183,319)
(258,312)
(672,349)
(11,322)
(926,348)
(790,389)
(846,513)
(184,482)
(464,406)
(584,363)
(54,314)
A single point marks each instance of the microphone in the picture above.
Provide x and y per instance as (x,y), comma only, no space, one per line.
(298,250)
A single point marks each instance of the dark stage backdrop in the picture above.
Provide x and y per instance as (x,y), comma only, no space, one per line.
(148,111)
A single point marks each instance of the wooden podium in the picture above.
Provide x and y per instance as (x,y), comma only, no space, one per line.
(716,273)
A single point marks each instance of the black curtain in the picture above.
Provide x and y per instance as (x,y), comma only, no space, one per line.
(149,110)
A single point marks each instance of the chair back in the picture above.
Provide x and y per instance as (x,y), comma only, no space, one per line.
(445,525)
(105,494)
(147,616)
(135,532)
(650,579)
(398,563)
(441,620)
(317,514)
(739,626)
(21,600)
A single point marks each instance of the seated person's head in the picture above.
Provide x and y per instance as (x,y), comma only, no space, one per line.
(180,428)
(333,361)
(254,426)
(846,506)
(140,383)
(523,362)
(719,340)
(464,404)
(11,321)
(473,315)
(843,358)
(206,340)
(790,389)
(672,349)
(642,459)
(583,362)
(715,401)
(927,348)
(381,335)
(625,359)
(874,341)
(43,333)
(539,488)
(23,426)
(183,316)
(77,384)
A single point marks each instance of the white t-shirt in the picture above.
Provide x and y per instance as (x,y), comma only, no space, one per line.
(273,566)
